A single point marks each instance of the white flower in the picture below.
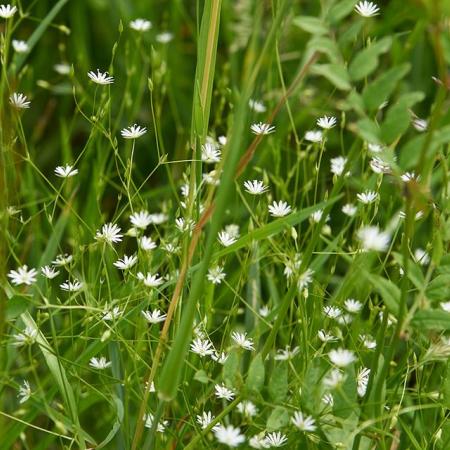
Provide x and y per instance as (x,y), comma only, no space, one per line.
(202,347)
(367,197)
(379,166)
(184,225)
(367,9)
(70,286)
(7,11)
(352,305)
(100,78)
(262,128)
(257,106)
(20,46)
(222,140)
(344,319)
(65,171)
(286,353)
(420,124)
(334,379)
(147,243)
(375,148)
(110,233)
(63,260)
(341,357)
(226,239)
(421,257)
(255,187)
(211,178)
(99,363)
(159,218)
(219,357)
(23,275)
(164,38)
(141,219)
(62,68)
(233,230)
(258,441)
(205,419)
(24,392)
(112,314)
(275,439)
(338,165)
(410,176)
(229,435)
(368,341)
(349,209)
(127,262)
(223,392)
(19,100)
(316,216)
(150,280)
(210,153)
(247,408)
(302,422)
(326,122)
(216,275)
(242,341)
(133,132)
(373,239)
(27,336)
(445,306)
(332,311)
(160,427)
(325,336)
(155,316)
(264,311)
(140,25)
(279,209)
(305,279)
(49,272)
(328,399)
(362,380)
(314,136)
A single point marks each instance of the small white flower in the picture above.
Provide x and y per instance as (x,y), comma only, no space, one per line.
(410,176)
(334,379)
(314,136)
(345,319)
(264,311)
(226,239)
(140,25)
(275,439)
(62,68)
(242,341)
(362,381)
(367,9)
(25,337)
(257,106)
(211,178)
(421,257)
(352,305)
(262,128)
(445,306)
(23,275)
(338,165)
(19,100)
(286,353)
(202,347)
(258,441)
(159,218)
(20,46)
(24,392)
(379,166)
(164,38)
(326,122)
(375,148)
(373,239)
(7,11)
(49,272)
(332,311)
(110,233)
(63,260)
(420,124)
(305,279)
(99,363)
(223,392)
(160,427)
(229,435)
(71,286)
(112,314)
(328,399)
(279,209)
(127,262)
(325,336)
(316,216)
(133,132)
(255,187)
(100,78)
(368,341)
(216,275)
(141,219)
(66,171)
(302,422)
(210,153)
(184,225)
(205,419)
(155,316)
(367,197)
(150,280)
(247,408)
(147,243)
(349,209)
(341,357)
(219,357)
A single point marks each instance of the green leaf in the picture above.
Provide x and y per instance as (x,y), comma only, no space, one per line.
(312,25)
(379,90)
(390,292)
(15,306)
(279,418)
(414,271)
(201,377)
(366,61)
(336,74)
(368,130)
(340,10)
(256,374)
(278,383)
(431,320)
(326,46)
(438,288)
(116,425)
(231,368)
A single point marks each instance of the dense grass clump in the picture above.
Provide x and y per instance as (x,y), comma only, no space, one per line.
(224,224)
